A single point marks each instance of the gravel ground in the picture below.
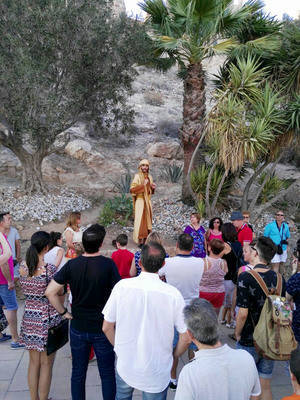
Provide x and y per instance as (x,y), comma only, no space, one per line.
(41,208)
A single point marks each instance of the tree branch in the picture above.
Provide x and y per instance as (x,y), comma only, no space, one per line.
(260,189)
(256,173)
(214,203)
(281,194)
(207,205)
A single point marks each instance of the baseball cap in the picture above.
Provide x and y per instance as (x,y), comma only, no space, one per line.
(236,216)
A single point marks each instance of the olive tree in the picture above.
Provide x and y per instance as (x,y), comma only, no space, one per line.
(62,62)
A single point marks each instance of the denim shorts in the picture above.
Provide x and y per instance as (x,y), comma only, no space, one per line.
(8,298)
(192,346)
(264,366)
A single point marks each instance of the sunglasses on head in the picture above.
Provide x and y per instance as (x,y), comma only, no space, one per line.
(253,248)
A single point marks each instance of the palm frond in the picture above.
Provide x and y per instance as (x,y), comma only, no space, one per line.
(225,45)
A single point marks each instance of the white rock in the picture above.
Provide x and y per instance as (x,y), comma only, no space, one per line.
(168,150)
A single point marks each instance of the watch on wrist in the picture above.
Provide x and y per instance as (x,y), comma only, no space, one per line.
(63,313)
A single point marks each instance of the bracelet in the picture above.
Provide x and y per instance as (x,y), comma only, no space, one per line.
(63,313)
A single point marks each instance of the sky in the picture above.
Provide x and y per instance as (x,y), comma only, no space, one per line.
(274,7)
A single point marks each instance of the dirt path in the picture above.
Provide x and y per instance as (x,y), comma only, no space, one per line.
(89,216)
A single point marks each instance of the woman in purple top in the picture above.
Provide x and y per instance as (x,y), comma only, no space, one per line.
(198,234)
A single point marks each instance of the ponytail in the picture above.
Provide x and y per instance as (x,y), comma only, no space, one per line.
(32,259)
(39,240)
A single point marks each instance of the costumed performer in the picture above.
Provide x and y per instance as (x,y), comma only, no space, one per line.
(142,187)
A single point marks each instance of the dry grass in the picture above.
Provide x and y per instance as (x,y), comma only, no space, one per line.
(153,98)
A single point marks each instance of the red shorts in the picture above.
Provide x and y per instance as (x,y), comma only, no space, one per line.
(216,299)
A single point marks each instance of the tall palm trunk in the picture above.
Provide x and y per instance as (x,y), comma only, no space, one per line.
(193,119)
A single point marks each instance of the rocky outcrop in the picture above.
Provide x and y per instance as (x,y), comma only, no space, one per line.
(169,150)
(83,151)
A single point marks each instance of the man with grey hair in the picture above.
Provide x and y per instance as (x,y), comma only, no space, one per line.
(234,370)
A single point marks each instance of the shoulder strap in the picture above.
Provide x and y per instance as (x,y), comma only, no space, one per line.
(279,285)
(47,281)
(260,281)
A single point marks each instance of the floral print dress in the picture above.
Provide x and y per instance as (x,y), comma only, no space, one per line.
(35,322)
(199,240)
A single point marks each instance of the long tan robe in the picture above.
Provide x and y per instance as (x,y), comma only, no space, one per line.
(142,206)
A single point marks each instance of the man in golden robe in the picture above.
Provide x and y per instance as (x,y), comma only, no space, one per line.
(142,187)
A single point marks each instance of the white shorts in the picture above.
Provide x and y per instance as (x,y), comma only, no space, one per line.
(278,258)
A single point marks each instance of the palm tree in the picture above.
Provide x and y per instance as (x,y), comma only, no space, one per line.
(186,32)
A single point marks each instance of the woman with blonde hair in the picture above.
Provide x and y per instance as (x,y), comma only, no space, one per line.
(135,269)
(72,234)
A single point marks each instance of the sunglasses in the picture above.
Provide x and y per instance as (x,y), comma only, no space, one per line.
(279,215)
(216,222)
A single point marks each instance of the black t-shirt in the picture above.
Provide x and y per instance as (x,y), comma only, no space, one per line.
(251,296)
(232,259)
(91,280)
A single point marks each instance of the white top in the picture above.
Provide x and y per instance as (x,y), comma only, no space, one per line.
(221,373)
(50,257)
(145,310)
(77,236)
(12,236)
(185,273)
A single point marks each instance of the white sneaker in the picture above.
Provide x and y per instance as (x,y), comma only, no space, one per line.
(231,325)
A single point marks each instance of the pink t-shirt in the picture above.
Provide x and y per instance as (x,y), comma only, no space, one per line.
(213,236)
(10,261)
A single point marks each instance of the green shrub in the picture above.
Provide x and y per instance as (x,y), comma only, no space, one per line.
(198,181)
(107,215)
(119,210)
(172,173)
(272,187)
(199,178)
(201,207)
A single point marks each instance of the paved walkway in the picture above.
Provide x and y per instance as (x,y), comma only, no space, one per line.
(14,363)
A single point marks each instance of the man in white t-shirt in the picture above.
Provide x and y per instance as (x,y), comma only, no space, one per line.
(139,320)
(218,371)
(184,272)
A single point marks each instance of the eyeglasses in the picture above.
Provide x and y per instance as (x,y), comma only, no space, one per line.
(279,215)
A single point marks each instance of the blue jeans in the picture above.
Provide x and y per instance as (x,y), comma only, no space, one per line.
(124,391)
(81,343)
(264,366)
(8,298)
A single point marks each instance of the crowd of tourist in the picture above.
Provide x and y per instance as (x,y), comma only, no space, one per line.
(139,312)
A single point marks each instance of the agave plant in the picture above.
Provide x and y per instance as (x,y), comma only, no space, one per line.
(172,173)
(123,185)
